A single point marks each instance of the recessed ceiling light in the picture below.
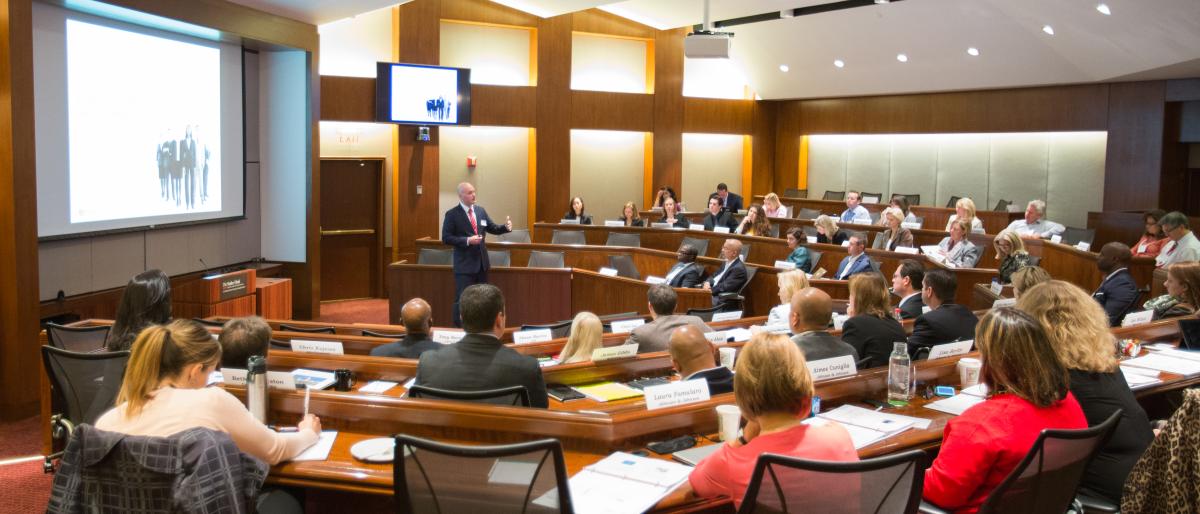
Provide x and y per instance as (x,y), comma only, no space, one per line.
(784,68)
(973,52)
(839,63)
(1048,29)
(1103,8)
(901,57)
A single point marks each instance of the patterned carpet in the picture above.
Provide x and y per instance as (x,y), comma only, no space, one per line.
(25,488)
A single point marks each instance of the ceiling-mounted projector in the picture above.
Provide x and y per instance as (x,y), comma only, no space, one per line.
(707,45)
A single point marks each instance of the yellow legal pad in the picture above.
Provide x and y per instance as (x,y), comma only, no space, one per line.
(607,391)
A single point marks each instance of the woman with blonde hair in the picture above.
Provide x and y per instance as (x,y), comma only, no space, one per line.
(164,393)
(895,235)
(773,207)
(872,328)
(957,249)
(1025,278)
(586,331)
(629,215)
(1010,251)
(964,209)
(827,230)
(1077,328)
(789,283)
(774,390)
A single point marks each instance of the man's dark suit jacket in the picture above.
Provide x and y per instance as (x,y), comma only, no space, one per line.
(722,219)
(411,347)
(689,277)
(456,228)
(720,379)
(948,323)
(480,362)
(732,281)
(913,308)
(1117,295)
(733,202)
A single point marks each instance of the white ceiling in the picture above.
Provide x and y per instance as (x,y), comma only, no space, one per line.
(1142,39)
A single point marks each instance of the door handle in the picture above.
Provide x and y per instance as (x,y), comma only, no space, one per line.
(348,232)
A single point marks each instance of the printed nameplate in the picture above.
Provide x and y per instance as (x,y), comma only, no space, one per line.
(785,265)
(1137,318)
(234,376)
(811,239)
(1004,302)
(565,221)
(846,243)
(727,316)
(608,272)
(907,249)
(825,369)
(326,347)
(614,352)
(1056,239)
(950,349)
(910,225)
(680,392)
(651,279)
(281,380)
(1084,245)
(718,336)
(695,226)
(448,336)
(532,336)
(721,230)
(614,223)
(627,325)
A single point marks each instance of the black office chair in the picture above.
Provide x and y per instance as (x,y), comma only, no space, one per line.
(77,339)
(875,217)
(912,199)
(376,333)
(624,239)
(209,322)
(624,265)
(734,301)
(557,330)
(774,230)
(516,396)
(878,242)
(810,231)
(284,327)
(1073,236)
(789,484)
(814,256)
(807,214)
(500,258)
(701,245)
(745,252)
(834,195)
(620,316)
(84,385)
(437,477)
(704,314)
(538,259)
(867,197)
(279,344)
(568,237)
(792,192)
(1045,480)
(953,200)
(1002,205)
(435,256)
(862,363)
(514,236)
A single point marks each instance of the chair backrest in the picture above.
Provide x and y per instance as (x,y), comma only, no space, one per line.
(436,477)
(624,265)
(1045,480)
(377,333)
(1002,205)
(810,231)
(788,484)
(953,200)
(878,241)
(277,344)
(539,259)
(875,266)
(792,192)
(1073,236)
(834,195)
(86,382)
(500,258)
(512,395)
(750,272)
(624,239)
(620,316)
(774,230)
(912,199)
(515,236)
(557,330)
(745,251)
(311,330)
(209,322)
(704,314)
(435,256)
(77,339)
(868,197)
(875,217)
(701,245)
(568,237)
(861,363)
(807,214)
(814,256)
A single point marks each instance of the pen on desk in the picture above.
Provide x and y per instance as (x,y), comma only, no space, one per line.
(877,409)
(307,394)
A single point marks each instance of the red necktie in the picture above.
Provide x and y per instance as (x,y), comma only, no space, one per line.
(471,215)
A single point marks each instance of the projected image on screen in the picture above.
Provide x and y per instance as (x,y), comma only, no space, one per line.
(424,94)
(144,140)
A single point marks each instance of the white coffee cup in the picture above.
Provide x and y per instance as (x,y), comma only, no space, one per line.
(968,371)
(728,355)
(729,418)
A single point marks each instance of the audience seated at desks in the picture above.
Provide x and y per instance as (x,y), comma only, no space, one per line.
(1118,292)
(907,283)
(959,251)
(718,217)
(799,254)
(964,209)
(895,236)
(1153,239)
(479,361)
(1182,245)
(755,223)
(855,213)
(872,328)
(731,276)
(575,212)
(900,202)
(789,283)
(629,216)
(655,336)
(946,321)
(731,202)
(828,231)
(1078,331)
(1029,393)
(856,260)
(242,338)
(1035,225)
(692,356)
(672,216)
(1183,292)
(687,272)
(1010,251)
(1025,278)
(812,313)
(585,338)
(417,316)
(773,207)
(146,301)
(660,197)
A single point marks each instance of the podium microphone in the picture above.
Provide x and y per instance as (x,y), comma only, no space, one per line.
(206,269)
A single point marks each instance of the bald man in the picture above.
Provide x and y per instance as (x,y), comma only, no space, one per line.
(465,227)
(731,276)
(812,312)
(692,356)
(1117,292)
(417,317)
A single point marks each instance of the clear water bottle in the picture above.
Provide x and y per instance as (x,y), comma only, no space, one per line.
(900,383)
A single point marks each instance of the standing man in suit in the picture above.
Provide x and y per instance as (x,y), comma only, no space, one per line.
(417,316)
(1117,292)
(187,157)
(164,167)
(855,212)
(857,261)
(685,273)
(655,336)
(812,312)
(479,361)
(731,276)
(947,322)
(465,227)
(692,356)
(907,282)
(717,217)
(730,202)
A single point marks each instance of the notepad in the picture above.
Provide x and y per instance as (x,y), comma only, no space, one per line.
(320,449)
(377,386)
(1167,363)
(621,483)
(1138,378)
(607,391)
(956,404)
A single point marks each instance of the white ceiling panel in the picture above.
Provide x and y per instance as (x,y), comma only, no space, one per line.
(318,12)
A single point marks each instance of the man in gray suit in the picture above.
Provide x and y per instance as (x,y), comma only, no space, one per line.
(479,361)
(812,311)
(655,336)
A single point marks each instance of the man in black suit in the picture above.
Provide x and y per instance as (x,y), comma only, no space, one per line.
(479,361)
(1117,292)
(717,217)
(812,312)
(465,228)
(685,273)
(731,202)
(731,276)
(418,324)
(907,283)
(947,322)
(692,356)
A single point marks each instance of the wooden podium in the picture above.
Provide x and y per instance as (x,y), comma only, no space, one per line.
(228,294)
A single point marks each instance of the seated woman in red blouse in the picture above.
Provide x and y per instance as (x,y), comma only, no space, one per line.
(1029,392)
(774,390)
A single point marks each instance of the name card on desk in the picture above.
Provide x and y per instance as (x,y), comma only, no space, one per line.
(695,226)
(950,349)
(1056,239)
(659,224)
(1137,318)
(565,221)
(680,392)
(234,376)
(832,368)
(811,239)
(996,288)
(910,225)
(846,243)
(727,316)
(1004,302)
(608,272)
(1084,245)
(325,347)
(785,265)
(281,380)
(532,336)
(721,230)
(626,326)
(652,280)
(614,223)
(448,336)
(614,352)
(718,336)
(907,249)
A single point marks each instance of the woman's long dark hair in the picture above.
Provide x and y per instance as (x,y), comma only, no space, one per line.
(1156,215)
(146,301)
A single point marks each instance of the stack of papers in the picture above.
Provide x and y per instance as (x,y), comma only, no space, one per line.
(621,483)
(607,391)
(1138,378)
(867,426)
(1164,361)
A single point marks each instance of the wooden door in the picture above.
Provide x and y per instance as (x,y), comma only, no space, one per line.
(351,228)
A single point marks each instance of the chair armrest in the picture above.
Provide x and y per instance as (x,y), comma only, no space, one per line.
(1096,503)
(929,508)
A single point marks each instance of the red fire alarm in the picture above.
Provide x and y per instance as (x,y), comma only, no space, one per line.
(471,161)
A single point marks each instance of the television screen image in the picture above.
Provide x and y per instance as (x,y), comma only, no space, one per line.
(423,95)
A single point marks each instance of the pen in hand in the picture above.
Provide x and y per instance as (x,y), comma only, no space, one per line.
(307,394)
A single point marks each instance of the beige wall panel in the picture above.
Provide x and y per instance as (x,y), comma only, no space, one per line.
(168,250)
(962,167)
(64,266)
(1017,169)
(607,170)
(117,258)
(242,236)
(350,139)
(608,64)
(495,55)
(501,178)
(914,166)
(826,164)
(206,242)
(868,165)
(1075,182)
(350,47)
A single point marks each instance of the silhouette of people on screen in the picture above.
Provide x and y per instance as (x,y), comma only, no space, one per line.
(165,155)
(178,161)
(438,108)
(187,157)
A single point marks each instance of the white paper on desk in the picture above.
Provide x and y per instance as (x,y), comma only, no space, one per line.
(866,418)
(377,386)
(1004,302)
(641,482)
(980,390)
(320,449)
(1177,353)
(614,223)
(1166,363)
(311,378)
(717,336)
(739,334)
(655,280)
(931,250)
(512,472)
(956,404)
(785,265)
(1137,377)
(906,249)
(845,243)
(861,437)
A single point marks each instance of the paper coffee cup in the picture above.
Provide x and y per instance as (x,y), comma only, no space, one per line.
(729,418)
(968,371)
(728,355)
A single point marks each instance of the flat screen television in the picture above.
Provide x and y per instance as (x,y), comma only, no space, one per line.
(417,94)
